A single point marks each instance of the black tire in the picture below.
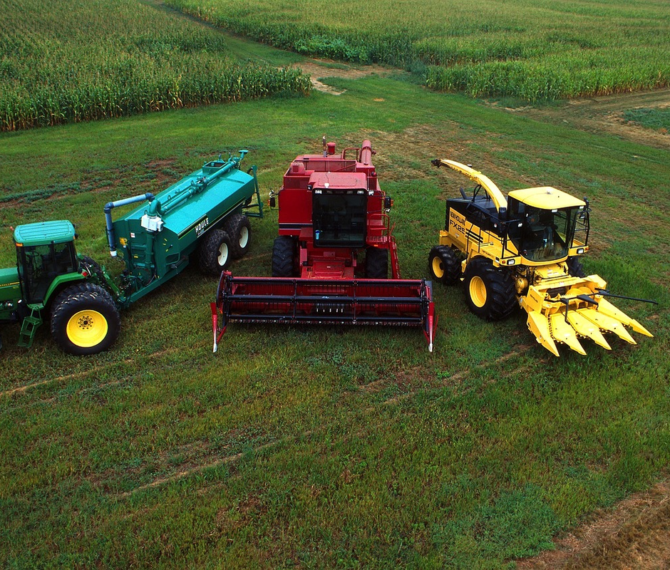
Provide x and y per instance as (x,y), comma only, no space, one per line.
(238,228)
(214,252)
(283,257)
(575,268)
(376,263)
(84,319)
(489,292)
(443,265)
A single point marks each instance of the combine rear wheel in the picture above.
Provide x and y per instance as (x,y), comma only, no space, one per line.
(238,228)
(376,263)
(443,265)
(575,268)
(214,253)
(84,319)
(489,292)
(283,257)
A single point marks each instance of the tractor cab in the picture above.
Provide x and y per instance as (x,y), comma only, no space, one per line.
(339,209)
(44,252)
(544,224)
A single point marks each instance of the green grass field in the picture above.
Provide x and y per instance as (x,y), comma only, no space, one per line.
(328,447)
(535,50)
(90,59)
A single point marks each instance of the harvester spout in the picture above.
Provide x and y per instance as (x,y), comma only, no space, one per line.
(111,239)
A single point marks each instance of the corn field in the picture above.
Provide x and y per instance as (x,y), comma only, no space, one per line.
(536,50)
(77,60)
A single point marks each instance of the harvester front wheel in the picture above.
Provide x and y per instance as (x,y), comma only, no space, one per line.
(376,263)
(443,265)
(489,292)
(84,319)
(215,252)
(575,268)
(238,228)
(283,257)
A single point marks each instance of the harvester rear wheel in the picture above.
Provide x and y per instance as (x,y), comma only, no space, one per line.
(214,254)
(443,265)
(575,268)
(84,319)
(238,228)
(489,292)
(376,263)
(283,257)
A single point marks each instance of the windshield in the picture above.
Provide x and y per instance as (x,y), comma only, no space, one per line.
(339,218)
(541,235)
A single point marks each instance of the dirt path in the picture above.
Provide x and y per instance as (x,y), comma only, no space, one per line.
(605,114)
(635,534)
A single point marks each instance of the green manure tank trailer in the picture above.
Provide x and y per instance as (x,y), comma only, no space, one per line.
(204,216)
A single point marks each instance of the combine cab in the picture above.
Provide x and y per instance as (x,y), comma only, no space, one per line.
(331,210)
(523,250)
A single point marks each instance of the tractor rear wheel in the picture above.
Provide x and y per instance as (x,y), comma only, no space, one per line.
(84,319)
(214,254)
(238,228)
(376,263)
(575,268)
(443,265)
(489,292)
(283,257)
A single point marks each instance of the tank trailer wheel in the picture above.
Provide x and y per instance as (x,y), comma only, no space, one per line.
(238,228)
(443,265)
(84,319)
(214,254)
(575,268)
(489,292)
(283,257)
(376,263)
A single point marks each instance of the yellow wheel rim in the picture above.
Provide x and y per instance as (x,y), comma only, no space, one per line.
(87,328)
(478,291)
(438,268)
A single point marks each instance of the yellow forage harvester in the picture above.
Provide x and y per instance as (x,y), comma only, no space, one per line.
(523,250)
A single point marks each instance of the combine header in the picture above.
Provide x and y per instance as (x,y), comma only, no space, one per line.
(523,250)
(331,208)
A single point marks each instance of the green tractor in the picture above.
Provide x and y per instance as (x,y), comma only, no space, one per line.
(50,278)
(202,218)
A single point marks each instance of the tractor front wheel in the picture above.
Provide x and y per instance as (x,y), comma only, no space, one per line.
(376,263)
(238,228)
(215,253)
(489,292)
(84,319)
(283,257)
(443,265)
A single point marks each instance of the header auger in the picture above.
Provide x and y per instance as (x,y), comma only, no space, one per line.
(523,250)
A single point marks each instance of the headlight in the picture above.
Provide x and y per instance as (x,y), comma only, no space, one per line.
(580,251)
(511,261)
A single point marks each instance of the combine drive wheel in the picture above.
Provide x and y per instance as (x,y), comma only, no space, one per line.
(575,268)
(283,257)
(238,228)
(214,252)
(489,292)
(443,265)
(84,319)
(376,263)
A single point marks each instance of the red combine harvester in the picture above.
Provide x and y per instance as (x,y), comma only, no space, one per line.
(331,208)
